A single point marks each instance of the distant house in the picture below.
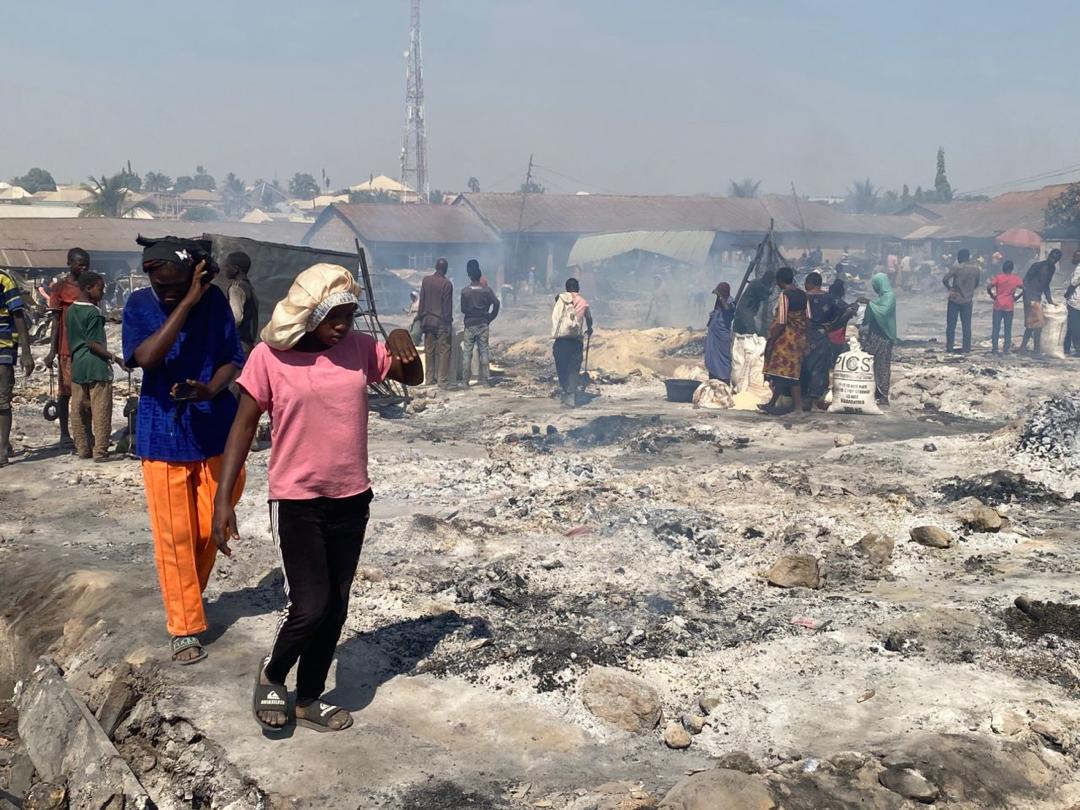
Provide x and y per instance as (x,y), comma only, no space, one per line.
(540,230)
(382,184)
(976,225)
(407,236)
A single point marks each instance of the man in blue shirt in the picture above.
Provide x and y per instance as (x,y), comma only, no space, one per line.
(181,333)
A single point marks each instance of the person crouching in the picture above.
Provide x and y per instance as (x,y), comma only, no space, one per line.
(311,374)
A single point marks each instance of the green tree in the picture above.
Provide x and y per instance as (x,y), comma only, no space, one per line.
(35,180)
(1064,210)
(905,196)
(234,193)
(202,180)
(201,213)
(131,180)
(184,183)
(744,188)
(941,182)
(474,185)
(862,197)
(109,196)
(303,186)
(532,187)
(156,181)
(436,197)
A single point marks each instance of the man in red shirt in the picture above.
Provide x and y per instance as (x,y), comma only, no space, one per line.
(63,294)
(1005,289)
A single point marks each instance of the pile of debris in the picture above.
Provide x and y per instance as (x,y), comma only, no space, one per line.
(1052,432)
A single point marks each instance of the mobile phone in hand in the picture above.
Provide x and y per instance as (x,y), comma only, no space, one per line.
(185,392)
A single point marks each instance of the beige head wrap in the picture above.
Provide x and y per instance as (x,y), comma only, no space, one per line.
(312,295)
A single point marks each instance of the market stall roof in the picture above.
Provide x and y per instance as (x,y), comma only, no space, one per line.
(691,247)
(1019,238)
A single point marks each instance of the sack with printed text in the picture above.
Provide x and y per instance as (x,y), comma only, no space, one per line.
(853,384)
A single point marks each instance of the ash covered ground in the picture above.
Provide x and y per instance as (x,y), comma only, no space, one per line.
(537,580)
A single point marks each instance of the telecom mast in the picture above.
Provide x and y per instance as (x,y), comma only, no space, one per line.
(414,169)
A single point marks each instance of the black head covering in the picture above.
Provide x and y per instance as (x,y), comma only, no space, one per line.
(184,252)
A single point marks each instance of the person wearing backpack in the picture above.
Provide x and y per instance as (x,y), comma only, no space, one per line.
(571,321)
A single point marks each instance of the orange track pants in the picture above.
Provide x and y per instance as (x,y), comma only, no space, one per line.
(180,497)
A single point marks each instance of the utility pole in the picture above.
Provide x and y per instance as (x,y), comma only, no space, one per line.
(521,213)
(414,147)
(802,222)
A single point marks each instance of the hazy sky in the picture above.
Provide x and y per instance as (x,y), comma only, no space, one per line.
(610,95)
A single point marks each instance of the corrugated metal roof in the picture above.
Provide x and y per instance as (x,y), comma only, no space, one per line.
(987,219)
(602,213)
(691,247)
(925,232)
(415,222)
(41,242)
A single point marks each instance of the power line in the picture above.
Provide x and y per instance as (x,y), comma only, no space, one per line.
(580,182)
(1031,179)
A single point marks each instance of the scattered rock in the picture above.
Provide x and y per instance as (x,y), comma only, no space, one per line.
(20,774)
(738,761)
(1054,734)
(876,548)
(847,761)
(843,440)
(718,790)
(615,796)
(909,783)
(46,796)
(118,700)
(1004,720)
(65,741)
(982,518)
(620,698)
(693,723)
(931,536)
(635,637)
(796,571)
(930,447)
(1029,608)
(677,737)
(709,700)
(896,641)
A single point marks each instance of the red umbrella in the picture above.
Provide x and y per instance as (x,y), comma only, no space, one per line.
(1019,238)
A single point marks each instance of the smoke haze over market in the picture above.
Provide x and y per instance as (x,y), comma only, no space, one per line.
(619,97)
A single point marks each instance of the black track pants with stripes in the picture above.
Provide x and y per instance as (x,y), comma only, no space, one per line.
(320,541)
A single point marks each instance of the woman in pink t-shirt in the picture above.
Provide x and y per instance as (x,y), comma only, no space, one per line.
(311,374)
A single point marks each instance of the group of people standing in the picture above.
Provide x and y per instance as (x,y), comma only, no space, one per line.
(434,321)
(208,376)
(77,351)
(1006,289)
(805,335)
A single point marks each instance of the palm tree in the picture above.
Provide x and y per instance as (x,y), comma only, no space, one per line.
(235,194)
(474,185)
(746,188)
(156,181)
(863,197)
(109,197)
